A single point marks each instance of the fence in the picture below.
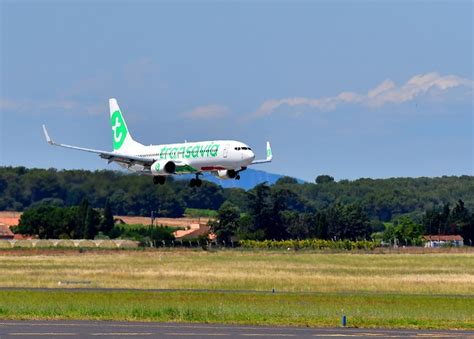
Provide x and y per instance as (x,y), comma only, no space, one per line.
(79,243)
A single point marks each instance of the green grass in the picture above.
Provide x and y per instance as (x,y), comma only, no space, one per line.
(401,311)
(433,290)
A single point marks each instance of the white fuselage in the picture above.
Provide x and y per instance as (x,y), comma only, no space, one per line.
(192,157)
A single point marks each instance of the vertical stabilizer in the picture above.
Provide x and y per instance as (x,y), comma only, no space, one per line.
(121,137)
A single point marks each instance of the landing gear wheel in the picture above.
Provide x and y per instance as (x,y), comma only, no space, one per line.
(237,177)
(196,182)
(159,180)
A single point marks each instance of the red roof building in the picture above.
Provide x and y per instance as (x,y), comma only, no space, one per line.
(440,240)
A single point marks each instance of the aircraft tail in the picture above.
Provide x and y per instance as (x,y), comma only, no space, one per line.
(121,137)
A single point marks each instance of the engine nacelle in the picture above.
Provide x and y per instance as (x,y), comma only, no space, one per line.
(163,167)
(226,174)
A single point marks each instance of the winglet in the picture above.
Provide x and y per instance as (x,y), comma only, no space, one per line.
(269,152)
(269,156)
(48,139)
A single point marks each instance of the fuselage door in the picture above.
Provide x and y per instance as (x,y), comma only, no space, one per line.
(226,150)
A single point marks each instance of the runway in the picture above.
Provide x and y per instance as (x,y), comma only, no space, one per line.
(119,329)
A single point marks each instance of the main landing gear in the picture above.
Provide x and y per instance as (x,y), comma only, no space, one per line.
(159,179)
(237,175)
(195,182)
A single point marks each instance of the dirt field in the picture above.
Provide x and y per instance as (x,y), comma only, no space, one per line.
(171,222)
(12,218)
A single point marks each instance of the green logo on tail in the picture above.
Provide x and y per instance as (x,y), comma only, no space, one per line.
(119,131)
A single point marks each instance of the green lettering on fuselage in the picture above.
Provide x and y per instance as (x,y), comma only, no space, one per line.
(188,152)
(191,151)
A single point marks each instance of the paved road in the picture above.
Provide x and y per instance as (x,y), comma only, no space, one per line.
(116,329)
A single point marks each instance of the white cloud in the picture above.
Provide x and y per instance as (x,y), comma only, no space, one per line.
(386,92)
(208,112)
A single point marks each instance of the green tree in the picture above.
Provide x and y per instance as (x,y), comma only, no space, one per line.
(467,231)
(336,222)
(91,223)
(47,222)
(319,228)
(323,179)
(107,223)
(405,231)
(260,209)
(226,225)
(81,219)
(299,225)
(286,181)
(357,223)
(208,196)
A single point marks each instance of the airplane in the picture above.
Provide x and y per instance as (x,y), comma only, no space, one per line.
(223,158)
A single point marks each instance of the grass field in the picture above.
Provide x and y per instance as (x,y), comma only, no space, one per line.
(241,270)
(401,311)
(388,290)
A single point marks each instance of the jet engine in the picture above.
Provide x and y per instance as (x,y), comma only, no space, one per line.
(163,167)
(227,174)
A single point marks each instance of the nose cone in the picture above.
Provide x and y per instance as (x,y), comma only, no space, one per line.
(249,156)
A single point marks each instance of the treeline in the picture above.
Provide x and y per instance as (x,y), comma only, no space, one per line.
(448,220)
(128,194)
(354,210)
(381,199)
(50,221)
(277,213)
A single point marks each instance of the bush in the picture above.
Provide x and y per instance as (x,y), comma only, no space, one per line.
(314,244)
(146,235)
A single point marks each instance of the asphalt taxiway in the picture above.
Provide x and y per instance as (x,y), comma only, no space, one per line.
(119,329)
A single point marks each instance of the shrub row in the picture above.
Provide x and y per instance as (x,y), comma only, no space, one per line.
(316,244)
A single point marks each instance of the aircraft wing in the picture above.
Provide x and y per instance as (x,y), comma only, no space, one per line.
(110,156)
(269,156)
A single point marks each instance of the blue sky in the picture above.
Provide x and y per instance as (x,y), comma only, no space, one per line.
(347,88)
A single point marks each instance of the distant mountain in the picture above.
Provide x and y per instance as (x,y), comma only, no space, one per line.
(248,179)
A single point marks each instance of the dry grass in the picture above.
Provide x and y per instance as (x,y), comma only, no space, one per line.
(299,272)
